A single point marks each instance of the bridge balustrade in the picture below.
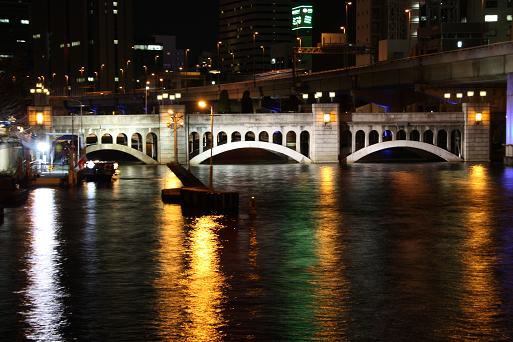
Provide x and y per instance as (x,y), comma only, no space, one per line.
(442,129)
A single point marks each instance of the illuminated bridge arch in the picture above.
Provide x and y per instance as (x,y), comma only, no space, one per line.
(251,144)
(122,148)
(437,151)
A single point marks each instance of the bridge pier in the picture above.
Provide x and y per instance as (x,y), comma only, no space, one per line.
(508,158)
(476,142)
(326,140)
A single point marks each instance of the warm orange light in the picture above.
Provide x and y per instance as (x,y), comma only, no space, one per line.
(327,118)
(479,118)
(202,104)
(39,118)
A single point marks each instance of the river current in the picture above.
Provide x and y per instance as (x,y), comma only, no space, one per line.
(361,252)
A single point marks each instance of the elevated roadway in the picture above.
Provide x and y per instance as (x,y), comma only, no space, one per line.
(484,65)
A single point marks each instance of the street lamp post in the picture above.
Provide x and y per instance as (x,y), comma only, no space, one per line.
(263,55)
(348,3)
(186,69)
(146,98)
(203,104)
(254,55)
(408,34)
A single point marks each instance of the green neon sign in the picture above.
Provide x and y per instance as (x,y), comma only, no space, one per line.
(302,17)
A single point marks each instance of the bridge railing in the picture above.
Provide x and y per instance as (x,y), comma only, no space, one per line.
(256,119)
(408,117)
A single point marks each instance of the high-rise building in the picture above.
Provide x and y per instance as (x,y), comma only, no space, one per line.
(249,29)
(384,20)
(498,15)
(449,25)
(15,38)
(83,45)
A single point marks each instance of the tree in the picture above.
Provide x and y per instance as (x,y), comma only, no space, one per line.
(246,103)
(223,106)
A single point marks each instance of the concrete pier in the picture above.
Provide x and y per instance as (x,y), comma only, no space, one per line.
(508,159)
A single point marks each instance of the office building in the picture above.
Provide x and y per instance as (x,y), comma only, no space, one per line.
(15,38)
(450,25)
(391,20)
(498,15)
(249,29)
(83,45)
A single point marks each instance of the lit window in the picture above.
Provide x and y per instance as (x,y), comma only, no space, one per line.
(115,42)
(509,17)
(116,79)
(36,36)
(20,41)
(460,43)
(114,3)
(25,21)
(491,18)
(77,43)
(5,21)
(115,11)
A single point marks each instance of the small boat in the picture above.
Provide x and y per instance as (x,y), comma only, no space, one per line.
(99,171)
(11,194)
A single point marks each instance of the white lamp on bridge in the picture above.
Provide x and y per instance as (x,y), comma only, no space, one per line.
(332,95)
(327,118)
(479,118)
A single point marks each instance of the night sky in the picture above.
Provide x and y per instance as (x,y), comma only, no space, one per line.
(193,22)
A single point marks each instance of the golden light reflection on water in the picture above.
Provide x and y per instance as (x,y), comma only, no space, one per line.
(43,295)
(190,294)
(170,181)
(170,254)
(480,299)
(333,288)
(204,282)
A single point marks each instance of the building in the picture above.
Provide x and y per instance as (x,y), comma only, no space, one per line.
(450,25)
(498,15)
(384,20)
(15,38)
(248,30)
(83,45)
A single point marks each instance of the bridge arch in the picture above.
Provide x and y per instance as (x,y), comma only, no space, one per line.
(121,148)
(440,152)
(251,144)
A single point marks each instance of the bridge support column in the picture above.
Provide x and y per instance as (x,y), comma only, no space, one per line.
(476,137)
(166,141)
(353,140)
(508,158)
(326,139)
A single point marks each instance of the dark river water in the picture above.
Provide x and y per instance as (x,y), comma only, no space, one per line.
(364,252)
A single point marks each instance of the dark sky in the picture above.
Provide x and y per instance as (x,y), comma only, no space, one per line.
(193,22)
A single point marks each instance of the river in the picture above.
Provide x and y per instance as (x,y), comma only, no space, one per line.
(361,252)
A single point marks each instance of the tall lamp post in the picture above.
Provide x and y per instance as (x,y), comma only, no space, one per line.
(254,56)
(146,97)
(348,3)
(408,12)
(186,69)
(203,104)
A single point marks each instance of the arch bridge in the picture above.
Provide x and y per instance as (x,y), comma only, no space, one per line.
(303,137)
(451,136)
